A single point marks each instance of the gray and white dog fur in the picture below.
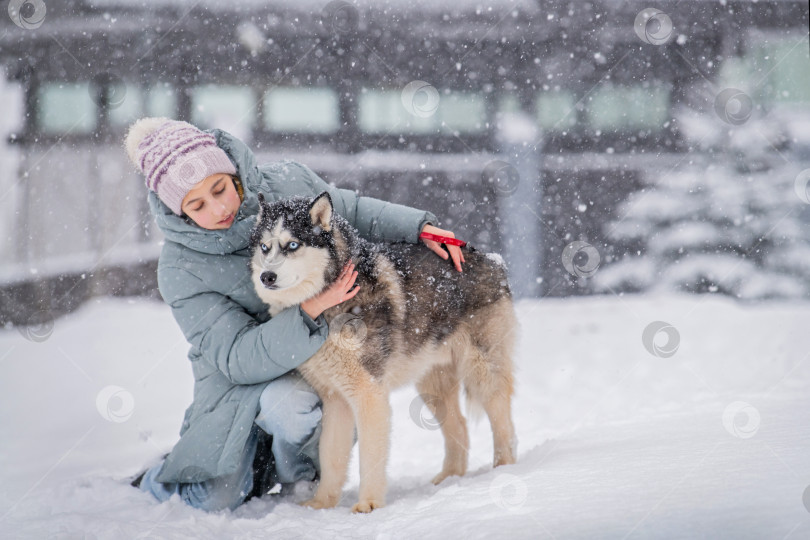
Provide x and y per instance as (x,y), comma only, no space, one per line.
(415,320)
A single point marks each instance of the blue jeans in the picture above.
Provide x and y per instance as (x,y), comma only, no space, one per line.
(290,411)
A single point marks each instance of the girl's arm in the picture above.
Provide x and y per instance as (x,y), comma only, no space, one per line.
(223,334)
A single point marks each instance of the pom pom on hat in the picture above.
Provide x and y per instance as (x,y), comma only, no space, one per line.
(137,133)
(174,156)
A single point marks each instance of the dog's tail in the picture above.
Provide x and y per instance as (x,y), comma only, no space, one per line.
(473,409)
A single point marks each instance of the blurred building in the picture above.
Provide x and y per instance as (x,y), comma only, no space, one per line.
(522,124)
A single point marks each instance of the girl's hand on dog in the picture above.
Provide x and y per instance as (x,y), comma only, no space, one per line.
(337,293)
(455,251)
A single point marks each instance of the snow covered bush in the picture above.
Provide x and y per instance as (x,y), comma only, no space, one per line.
(712,228)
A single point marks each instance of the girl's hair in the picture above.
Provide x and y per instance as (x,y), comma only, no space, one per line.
(238,184)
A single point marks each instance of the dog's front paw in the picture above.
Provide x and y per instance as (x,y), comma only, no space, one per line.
(367,506)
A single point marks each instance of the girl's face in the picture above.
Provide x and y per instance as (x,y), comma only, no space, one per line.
(212,203)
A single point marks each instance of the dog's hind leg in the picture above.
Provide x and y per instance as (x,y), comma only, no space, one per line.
(493,390)
(439,390)
(337,438)
(498,408)
(489,379)
(373,415)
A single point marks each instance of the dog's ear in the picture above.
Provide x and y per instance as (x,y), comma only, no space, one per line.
(320,211)
(262,205)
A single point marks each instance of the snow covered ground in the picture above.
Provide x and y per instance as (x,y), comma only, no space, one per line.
(708,439)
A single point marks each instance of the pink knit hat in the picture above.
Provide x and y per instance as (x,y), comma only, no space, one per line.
(174,156)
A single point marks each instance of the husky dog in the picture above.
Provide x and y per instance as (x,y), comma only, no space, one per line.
(415,319)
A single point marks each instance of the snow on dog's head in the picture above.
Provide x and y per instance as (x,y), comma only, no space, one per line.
(292,249)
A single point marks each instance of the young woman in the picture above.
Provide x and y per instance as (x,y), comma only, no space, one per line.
(253,421)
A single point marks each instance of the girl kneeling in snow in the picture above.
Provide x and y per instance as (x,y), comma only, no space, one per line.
(253,422)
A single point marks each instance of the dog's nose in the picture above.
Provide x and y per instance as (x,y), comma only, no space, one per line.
(268,278)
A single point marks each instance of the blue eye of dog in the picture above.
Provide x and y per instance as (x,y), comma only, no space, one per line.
(292,246)
(265,249)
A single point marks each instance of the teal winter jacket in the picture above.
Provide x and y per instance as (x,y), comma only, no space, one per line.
(236,348)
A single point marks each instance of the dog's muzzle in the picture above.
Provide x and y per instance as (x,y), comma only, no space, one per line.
(268,279)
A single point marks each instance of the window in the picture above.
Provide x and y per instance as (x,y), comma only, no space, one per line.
(556,111)
(66,108)
(508,103)
(463,112)
(161,100)
(424,111)
(553,110)
(126,104)
(232,108)
(301,110)
(382,111)
(774,69)
(789,73)
(130,102)
(627,107)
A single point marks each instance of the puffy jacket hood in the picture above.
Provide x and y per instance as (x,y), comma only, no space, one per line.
(184,231)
